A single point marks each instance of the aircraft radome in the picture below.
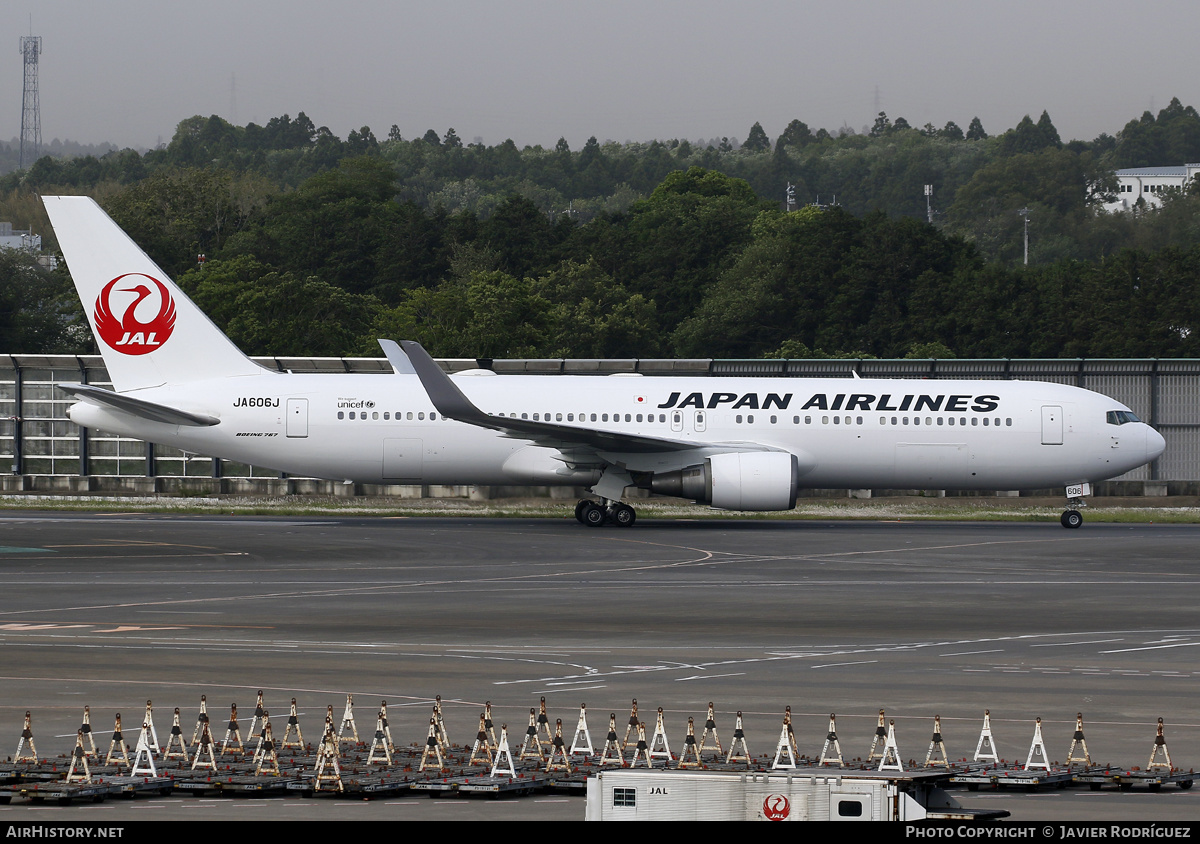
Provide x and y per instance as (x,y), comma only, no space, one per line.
(733,443)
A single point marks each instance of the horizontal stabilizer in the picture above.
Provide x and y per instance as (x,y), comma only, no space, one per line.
(138,407)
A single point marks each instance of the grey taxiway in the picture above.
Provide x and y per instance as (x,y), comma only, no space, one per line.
(917,619)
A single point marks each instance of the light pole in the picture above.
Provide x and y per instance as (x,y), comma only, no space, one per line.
(1024,212)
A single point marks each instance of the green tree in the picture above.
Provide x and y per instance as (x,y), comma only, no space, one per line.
(333,227)
(39,311)
(483,315)
(177,214)
(1046,127)
(757,140)
(797,134)
(265,312)
(679,240)
(592,316)
(951,132)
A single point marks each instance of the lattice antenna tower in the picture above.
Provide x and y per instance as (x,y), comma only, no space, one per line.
(31,111)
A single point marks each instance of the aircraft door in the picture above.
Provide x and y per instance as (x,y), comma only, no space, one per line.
(402,459)
(698,421)
(1052,425)
(297,417)
(676,420)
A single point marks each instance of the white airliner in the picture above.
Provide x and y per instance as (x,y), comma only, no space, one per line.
(734,443)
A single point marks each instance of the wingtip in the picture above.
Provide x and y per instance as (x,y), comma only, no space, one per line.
(397,357)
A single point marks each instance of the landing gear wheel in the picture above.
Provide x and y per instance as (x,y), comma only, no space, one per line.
(1071,519)
(623,515)
(579,508)
(594,515)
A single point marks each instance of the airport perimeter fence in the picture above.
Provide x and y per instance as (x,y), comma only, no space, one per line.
(40,448)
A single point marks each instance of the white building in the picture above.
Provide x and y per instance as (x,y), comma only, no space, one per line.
(1149,183)
(26,241)
(16,239)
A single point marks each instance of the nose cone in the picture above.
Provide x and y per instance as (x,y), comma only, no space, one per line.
(1155,444)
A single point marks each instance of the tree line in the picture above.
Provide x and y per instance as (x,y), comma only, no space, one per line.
(316,245)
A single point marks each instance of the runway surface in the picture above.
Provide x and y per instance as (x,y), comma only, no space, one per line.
(918,619)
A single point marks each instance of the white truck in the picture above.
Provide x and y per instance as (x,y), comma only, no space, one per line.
(803,794)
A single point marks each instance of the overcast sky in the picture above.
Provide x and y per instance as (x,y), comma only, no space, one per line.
(127,71)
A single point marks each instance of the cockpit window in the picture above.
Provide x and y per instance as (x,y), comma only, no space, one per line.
(1120,417)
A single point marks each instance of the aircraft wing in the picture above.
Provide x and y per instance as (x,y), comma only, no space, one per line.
(138,407)
(451,403)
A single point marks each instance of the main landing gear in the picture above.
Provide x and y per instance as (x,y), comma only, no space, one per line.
(595,514)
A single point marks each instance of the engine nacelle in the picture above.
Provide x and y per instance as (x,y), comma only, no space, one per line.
(759,480)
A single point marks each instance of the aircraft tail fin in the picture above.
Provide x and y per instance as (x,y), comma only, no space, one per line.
(149,333)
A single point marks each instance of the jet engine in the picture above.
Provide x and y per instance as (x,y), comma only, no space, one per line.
(759,480)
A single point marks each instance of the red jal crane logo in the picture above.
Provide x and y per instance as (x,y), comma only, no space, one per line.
(776,807)
(126,333)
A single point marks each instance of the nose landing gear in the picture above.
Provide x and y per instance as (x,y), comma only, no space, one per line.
(1072,517)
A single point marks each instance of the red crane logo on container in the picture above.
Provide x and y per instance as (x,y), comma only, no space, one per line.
(776,807)
(127,333)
